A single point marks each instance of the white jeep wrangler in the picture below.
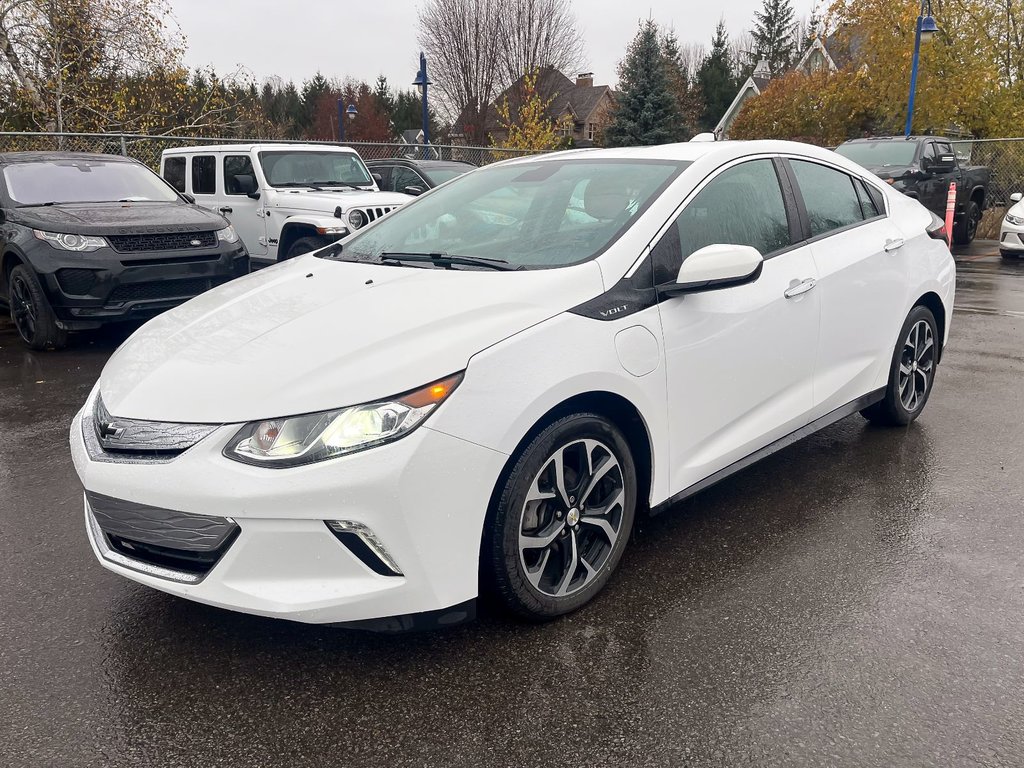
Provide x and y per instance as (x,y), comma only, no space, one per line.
(282,199)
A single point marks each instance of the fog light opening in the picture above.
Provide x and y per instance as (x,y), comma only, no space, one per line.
(364,544)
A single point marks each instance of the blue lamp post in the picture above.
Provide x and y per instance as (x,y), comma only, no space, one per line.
(342,111)
(926,29)
(422,82)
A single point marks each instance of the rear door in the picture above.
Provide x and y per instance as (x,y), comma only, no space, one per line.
(862,281)
(739,361)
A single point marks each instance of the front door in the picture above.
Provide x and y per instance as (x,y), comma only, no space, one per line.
(739,360)
(246,215)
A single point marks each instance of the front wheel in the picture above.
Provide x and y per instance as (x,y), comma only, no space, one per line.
(911,373)
(31,311)
(306,245)
(562,519)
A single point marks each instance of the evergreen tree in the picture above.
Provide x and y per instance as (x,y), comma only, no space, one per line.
(716,80)
(313,92)
(774,41)
(689,103)
(385,100)
(646,112)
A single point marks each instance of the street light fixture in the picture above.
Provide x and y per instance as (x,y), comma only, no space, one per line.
(926,29)
(422,82)
(342,111)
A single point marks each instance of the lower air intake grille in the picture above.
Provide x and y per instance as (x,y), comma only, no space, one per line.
(76,282)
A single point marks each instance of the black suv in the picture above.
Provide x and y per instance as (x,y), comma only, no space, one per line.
(414,177)
(89,239)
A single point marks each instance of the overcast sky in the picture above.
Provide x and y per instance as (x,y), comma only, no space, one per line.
(295,38)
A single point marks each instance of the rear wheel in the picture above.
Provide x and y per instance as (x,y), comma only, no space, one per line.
(911,374)
(306,245)
(563,518)
(964,232)
(31,311)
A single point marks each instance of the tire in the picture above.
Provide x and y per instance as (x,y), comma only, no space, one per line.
(578,547)
(964,232)
(31,311)
(305,245)
(913,365)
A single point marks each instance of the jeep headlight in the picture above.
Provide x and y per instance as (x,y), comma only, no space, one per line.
(297,440)
(356,219)
(67,242)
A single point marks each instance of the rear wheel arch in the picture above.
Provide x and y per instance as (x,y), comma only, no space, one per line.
(978,196)
(932,302)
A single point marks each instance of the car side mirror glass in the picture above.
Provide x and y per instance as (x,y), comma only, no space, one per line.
(716,266)
(187,198)
(377,178)
(1016,197)
(244,184)
(413,191)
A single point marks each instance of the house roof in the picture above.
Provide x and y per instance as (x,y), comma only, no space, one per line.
(412,136)
(581,100)
(752,87)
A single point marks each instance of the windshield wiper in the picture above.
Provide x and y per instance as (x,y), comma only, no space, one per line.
(44,205)
(309,184)
(446,260)
(338,184)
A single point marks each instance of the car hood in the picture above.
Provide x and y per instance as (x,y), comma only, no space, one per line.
(326,202)
(119,218)
(311,334)
(891,171)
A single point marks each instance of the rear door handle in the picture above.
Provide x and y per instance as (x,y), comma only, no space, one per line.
(800,288)
(226,209)
(893,245)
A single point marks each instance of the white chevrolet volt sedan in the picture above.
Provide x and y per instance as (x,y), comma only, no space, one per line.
(481,391)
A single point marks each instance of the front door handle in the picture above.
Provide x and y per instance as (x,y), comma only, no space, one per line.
(893,245)
(226,210)
(800,288)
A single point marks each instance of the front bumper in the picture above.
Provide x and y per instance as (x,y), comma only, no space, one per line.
(424,497)
(89,289)
(1011,238)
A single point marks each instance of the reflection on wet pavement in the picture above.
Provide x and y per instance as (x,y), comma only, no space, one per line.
(855,599)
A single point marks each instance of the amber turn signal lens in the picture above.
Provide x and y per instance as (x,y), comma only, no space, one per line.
(432,393)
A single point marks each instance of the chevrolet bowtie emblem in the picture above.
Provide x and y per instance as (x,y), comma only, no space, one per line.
(110,431)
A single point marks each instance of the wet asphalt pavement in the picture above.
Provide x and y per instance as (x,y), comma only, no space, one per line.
(854,600)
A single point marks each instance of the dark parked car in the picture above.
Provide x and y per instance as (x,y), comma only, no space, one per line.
(89,239)
(922,167)
(414,177)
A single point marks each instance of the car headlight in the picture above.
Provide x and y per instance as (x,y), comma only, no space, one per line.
(357,219)
(297,440)
(1016,221)
(64,242)
(227,235)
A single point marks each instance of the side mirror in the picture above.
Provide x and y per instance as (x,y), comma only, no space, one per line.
(945,164)
(413,191)
(187,198)
(715,266)
(377,178)
(244,184)
(1016,197)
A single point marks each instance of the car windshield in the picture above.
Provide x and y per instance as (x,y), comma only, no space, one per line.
(878,153)
(539,214)
(84,181)
(441,174)
(311,168)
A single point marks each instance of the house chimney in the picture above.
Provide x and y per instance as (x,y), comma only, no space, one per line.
(585,80)
(762,69)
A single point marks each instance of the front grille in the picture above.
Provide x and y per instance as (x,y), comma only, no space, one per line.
(76,282)
(374,213)
(164,289)
(162,241)
(180,541)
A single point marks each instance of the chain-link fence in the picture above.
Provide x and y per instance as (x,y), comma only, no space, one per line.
(147,149)
(1006,159)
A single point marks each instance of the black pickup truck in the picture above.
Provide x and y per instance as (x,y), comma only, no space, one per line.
(922,167)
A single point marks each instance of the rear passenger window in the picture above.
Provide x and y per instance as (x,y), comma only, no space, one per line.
(174,172)
(236,166)
(867,204)
(832,201)
(743,205)
(204,175)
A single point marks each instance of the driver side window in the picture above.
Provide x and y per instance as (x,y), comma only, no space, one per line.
(743,205)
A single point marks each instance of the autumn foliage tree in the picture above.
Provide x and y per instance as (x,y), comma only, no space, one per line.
(525,122)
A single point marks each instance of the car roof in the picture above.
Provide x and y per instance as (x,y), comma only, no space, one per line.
(7,158)
(421,163)
(258,146)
